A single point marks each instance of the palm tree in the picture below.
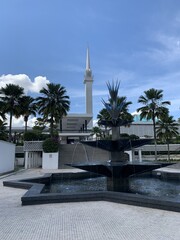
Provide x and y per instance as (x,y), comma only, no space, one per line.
(97,132)
(116,110)
(153,108)
(54,104)
(10,100)
(167,128)
(103,116)
(39,125)
(3,133)
(2,114)
(28,107)
(124,114)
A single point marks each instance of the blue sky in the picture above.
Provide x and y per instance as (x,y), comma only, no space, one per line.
(134,41)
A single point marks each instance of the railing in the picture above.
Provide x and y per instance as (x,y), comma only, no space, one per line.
(30,146)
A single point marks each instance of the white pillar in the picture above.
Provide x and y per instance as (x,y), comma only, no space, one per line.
(140,155)
(130,155)
(26,160)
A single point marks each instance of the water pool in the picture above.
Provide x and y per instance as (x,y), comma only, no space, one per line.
(144,184)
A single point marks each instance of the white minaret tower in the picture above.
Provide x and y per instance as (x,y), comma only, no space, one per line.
(88,81)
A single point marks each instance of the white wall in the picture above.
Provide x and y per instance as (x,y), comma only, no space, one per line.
(7,156)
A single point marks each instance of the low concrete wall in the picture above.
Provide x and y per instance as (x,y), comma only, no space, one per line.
(80,153)
(7,156)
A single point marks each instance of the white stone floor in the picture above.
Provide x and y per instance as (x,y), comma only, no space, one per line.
(82,220)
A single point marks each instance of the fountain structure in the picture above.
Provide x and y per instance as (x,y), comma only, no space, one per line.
(119,168)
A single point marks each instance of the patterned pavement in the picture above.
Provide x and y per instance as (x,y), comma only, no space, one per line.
(81,221)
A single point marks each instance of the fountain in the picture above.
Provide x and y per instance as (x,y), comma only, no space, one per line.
(118,169)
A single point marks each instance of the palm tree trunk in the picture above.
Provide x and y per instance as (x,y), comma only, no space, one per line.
(51,126)
(168,151)
(155,140)
(26,121)
(10,127)
(25,126)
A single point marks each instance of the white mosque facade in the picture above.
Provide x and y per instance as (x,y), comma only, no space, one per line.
(78,126)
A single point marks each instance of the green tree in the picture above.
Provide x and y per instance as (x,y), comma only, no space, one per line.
(97,132)
(28,107)
(2,114)
(167,128)
(10,101)
(3,132)
(53,105)
(103,116)
(40,125)
(124,114)
(116,111)
(154,108)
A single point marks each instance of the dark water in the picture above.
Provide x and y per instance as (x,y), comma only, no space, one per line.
(144,185)
(155,187)
(77,185)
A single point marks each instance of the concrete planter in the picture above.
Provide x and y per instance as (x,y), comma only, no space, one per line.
(50,160)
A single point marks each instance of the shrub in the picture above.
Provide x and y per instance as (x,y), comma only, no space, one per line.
(30,136)
(133,137)
(50,145)
(124,135)
(35,136)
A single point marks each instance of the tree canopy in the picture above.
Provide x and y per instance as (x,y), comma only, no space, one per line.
(53,104)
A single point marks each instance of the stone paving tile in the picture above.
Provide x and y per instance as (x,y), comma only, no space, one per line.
(82,221)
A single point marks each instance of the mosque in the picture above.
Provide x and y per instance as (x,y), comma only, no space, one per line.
(75,127)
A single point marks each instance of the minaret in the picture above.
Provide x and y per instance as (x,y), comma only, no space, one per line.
(88,81)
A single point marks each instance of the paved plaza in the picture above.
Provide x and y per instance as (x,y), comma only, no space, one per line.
(80,221)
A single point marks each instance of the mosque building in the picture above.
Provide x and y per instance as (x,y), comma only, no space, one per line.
(78,126)
(75,127)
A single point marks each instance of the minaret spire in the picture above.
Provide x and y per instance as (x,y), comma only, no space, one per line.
(88,81)
(87,61)
(88,72)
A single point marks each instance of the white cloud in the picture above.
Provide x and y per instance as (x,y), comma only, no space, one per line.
(30,86)
(24,81)
(168,50)
(39,83)
(19,122)
(95,123)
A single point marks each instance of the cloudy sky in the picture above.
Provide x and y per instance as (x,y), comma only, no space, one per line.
(134,41)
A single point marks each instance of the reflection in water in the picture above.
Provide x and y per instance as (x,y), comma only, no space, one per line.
(77,185)
(155,187)
(144,185)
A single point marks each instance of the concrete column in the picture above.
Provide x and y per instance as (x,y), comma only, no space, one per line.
(140,155)
(26,160)
(115,133)
(130,153)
